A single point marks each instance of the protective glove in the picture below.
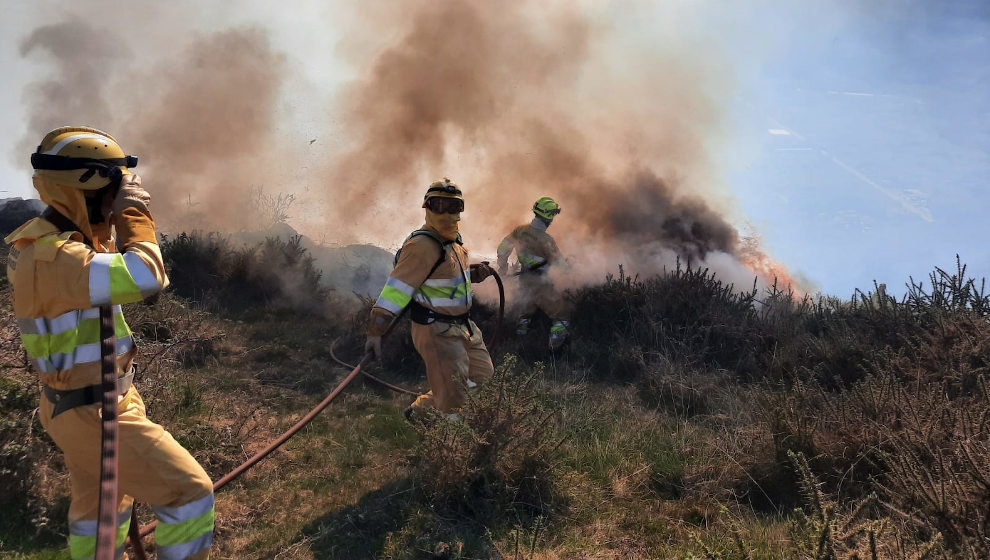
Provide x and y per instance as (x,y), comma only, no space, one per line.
(130,195)
(374,345)
(480,272)
(503,266)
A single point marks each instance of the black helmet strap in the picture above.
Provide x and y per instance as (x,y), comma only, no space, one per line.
(106,167)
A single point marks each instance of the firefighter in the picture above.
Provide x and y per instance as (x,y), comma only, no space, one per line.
(537,253)
(433,278)
(63,266)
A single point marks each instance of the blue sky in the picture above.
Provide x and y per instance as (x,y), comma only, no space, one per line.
(874,145)
(858,142)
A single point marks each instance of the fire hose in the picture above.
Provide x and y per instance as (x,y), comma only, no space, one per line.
(106,528)
(239,470)
(135,534)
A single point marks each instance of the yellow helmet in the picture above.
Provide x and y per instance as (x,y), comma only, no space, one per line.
(66,151)
(546,208)
(444,188)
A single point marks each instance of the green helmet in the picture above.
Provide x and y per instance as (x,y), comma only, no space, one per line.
(546,208)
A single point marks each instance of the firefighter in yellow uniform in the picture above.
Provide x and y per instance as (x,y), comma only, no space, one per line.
(433,278)
(537,252)
(63,266)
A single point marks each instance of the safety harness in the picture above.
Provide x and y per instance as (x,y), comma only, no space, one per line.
(419,313)
(84,396)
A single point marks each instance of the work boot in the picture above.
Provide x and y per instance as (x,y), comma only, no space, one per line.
(522,326)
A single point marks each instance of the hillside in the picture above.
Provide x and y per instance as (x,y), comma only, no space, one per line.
(684,421)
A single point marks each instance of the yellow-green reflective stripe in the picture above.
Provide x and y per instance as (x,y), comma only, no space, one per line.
(81,547)
(65,342)
(432,292)
(395,296)
(123,288)
(168,534)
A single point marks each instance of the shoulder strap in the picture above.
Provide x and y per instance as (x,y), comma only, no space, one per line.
(62,222)
(434,236)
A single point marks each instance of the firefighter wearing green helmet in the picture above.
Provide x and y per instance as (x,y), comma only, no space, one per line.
(536,254)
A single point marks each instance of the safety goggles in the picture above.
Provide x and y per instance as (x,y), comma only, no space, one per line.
(553,212)
(448,188)
(444,205)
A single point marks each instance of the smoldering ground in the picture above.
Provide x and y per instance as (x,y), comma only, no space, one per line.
(512,101)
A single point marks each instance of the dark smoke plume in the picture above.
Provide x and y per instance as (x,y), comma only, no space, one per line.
(84,59)
(650,213)
(201,117)
(513,101)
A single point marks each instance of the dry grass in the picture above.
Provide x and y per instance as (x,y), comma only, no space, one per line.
(674,440)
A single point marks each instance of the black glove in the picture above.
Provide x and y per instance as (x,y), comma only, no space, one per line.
(480,272)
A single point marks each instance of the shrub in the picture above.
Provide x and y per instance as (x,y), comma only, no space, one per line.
(501,455)
(687,315)
(275,274)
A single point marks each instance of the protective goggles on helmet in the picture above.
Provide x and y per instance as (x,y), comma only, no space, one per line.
(444,188)
(105,167)
(445,205)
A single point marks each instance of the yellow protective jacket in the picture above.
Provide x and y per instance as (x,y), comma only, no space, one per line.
(59,282)
(447,291)
(534,248)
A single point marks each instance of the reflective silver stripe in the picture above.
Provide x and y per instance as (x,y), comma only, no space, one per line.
(61,323)
(82,354)
(400,285)
(388,304)
(141,273)
(69,139)
(445,282)
(184,512)
(185,550)
(99,279)
(88,527)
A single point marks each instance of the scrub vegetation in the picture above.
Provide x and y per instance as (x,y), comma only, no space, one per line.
(686,420)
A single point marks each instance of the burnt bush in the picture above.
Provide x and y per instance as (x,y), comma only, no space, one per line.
(275,274)
(687,315)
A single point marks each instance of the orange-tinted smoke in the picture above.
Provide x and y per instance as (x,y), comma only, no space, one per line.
(498,98)
(514,101)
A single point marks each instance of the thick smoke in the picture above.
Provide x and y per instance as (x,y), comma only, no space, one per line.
(81,56)
(521,101)
(513,101)
(201,117)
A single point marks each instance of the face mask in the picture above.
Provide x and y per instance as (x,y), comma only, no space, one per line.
(446,224)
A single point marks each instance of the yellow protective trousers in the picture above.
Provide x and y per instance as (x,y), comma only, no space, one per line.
(455,358)
(152,468)
(537,292)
